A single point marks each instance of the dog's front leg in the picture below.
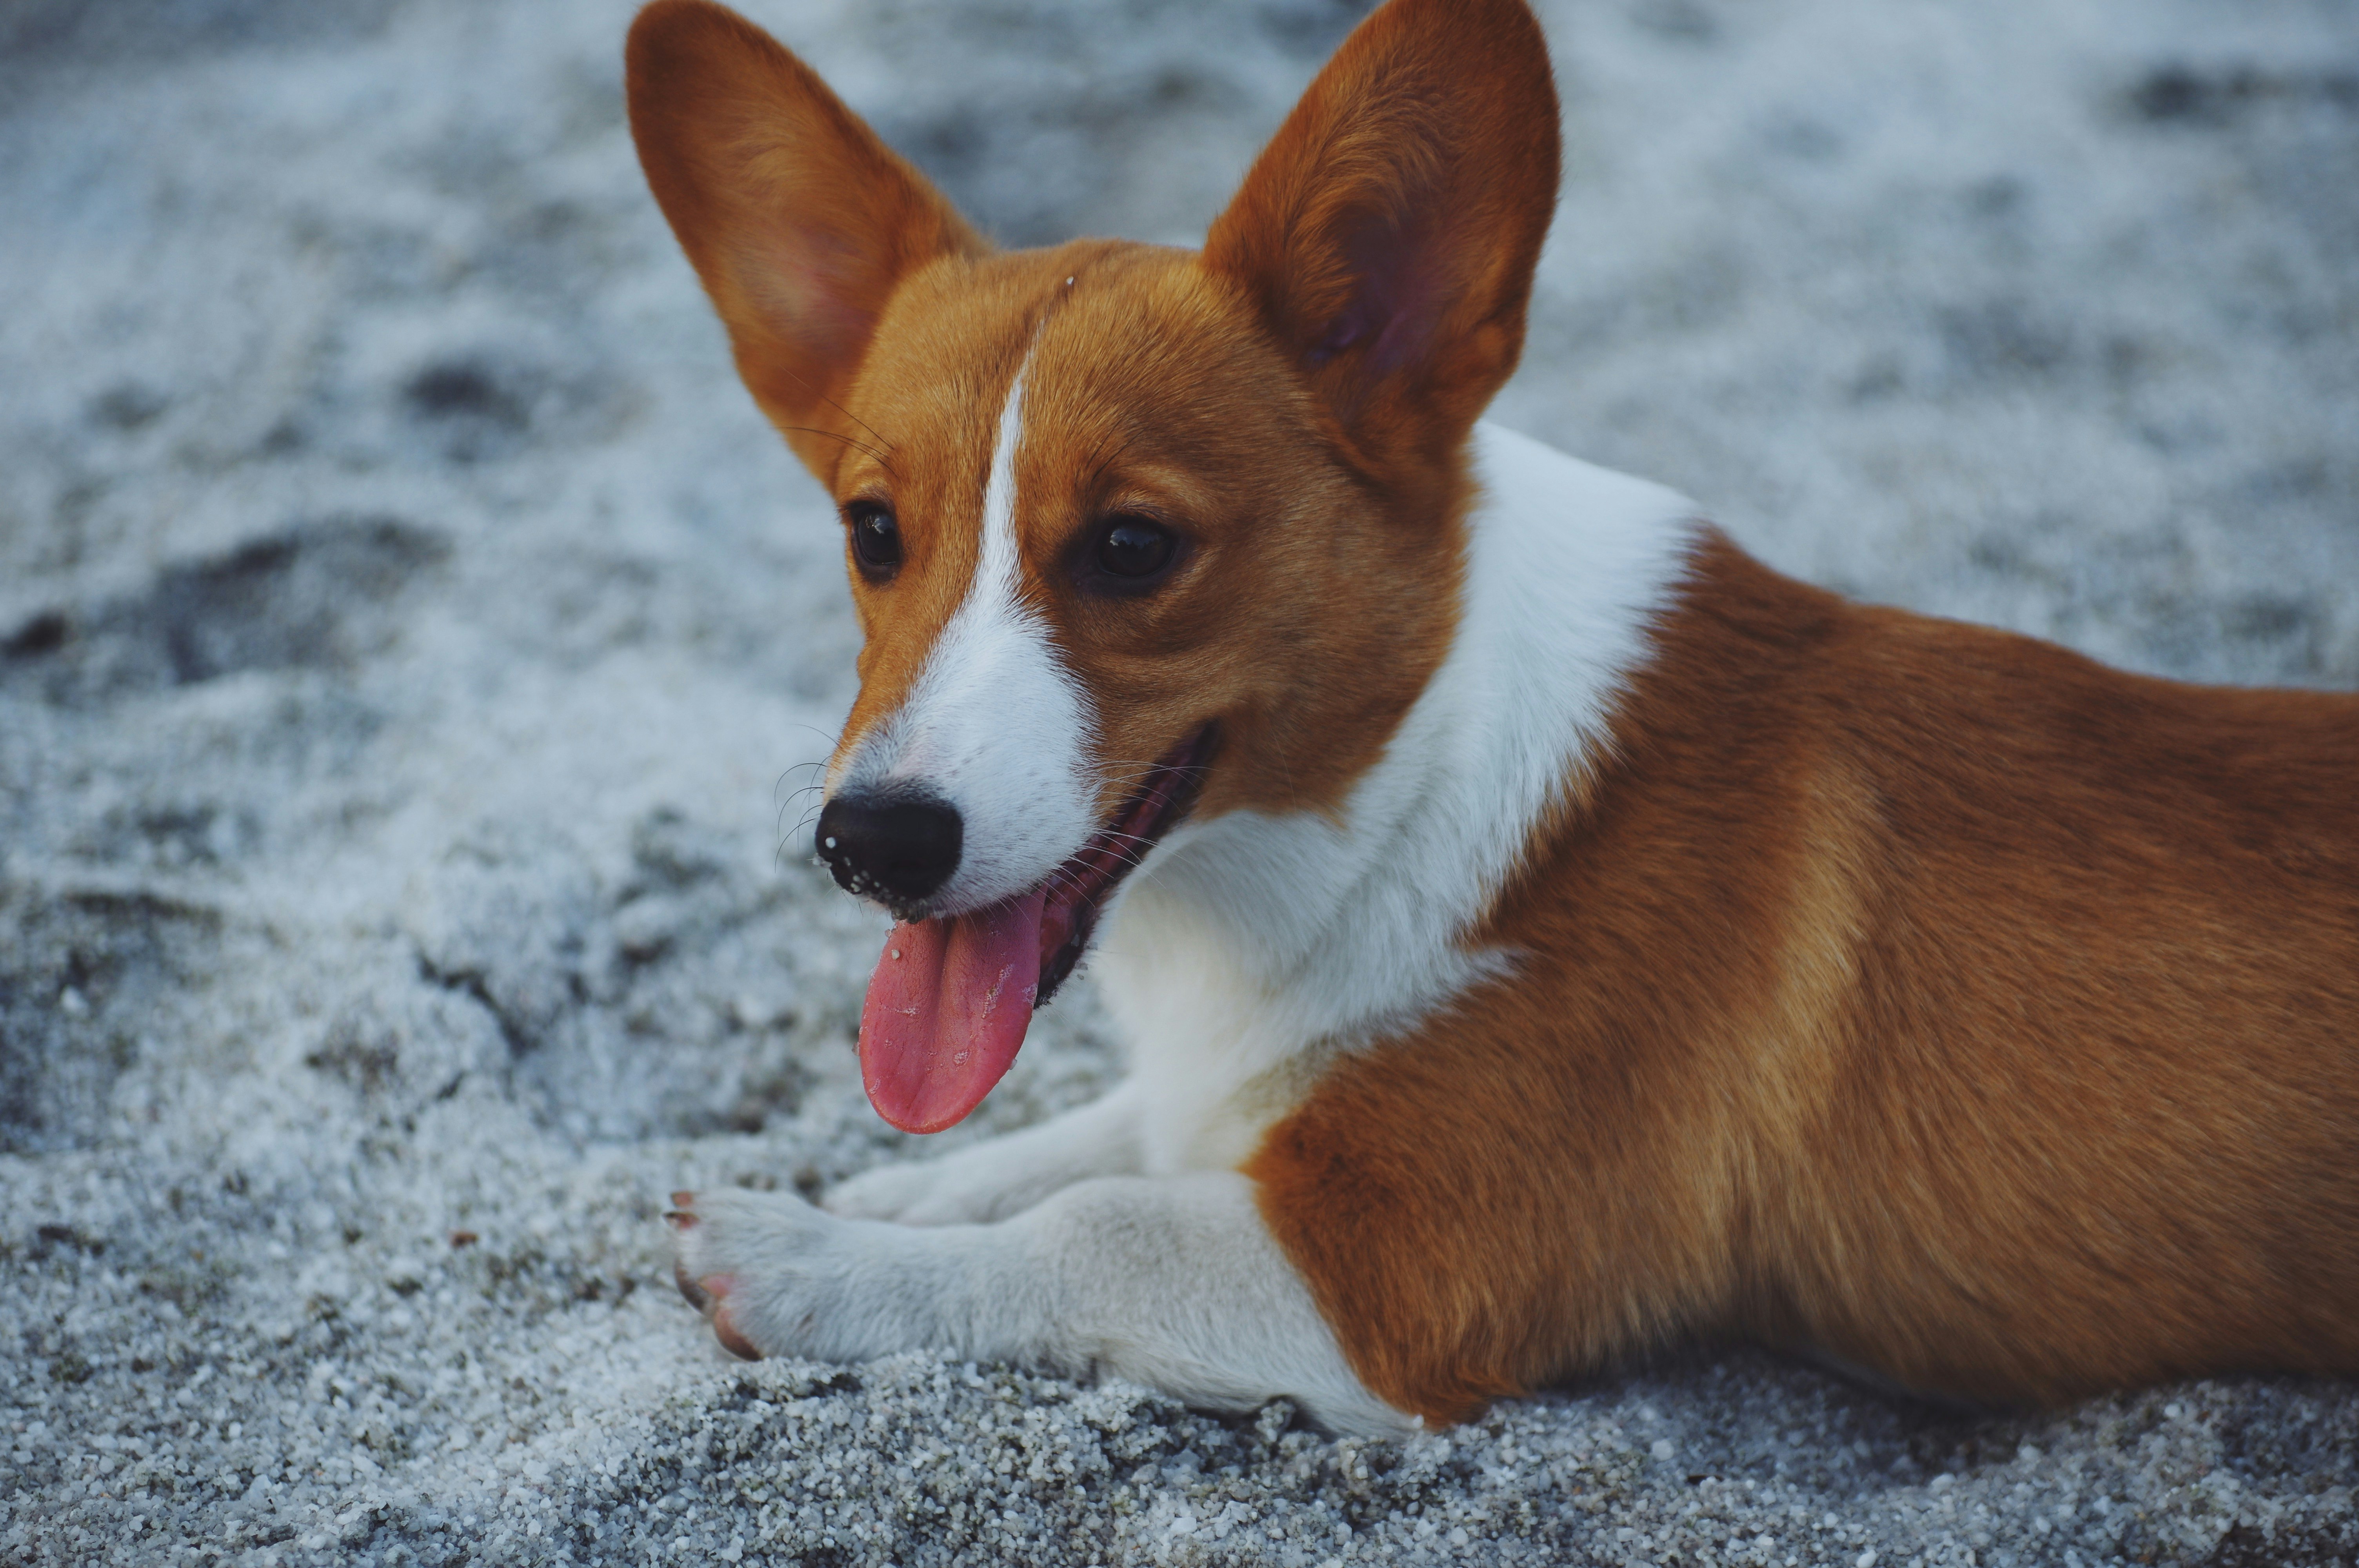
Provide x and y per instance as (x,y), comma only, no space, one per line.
(1004,1175)
(1171,1281)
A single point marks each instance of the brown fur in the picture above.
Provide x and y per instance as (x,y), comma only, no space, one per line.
(1911,991)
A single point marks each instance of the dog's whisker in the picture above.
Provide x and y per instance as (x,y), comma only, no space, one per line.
(840,436)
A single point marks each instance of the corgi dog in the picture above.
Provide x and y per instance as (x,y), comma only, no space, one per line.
(1541,931)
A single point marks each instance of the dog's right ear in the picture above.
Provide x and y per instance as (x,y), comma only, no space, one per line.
(799,221)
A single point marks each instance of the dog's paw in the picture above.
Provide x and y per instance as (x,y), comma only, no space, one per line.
(912,1194)
(979,1185)
(777,1277)
(708,1249)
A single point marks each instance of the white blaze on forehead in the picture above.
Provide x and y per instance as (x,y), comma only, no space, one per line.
(993,724)
(997,566)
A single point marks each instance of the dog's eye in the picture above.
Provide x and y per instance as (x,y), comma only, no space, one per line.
(1134,549)
(875,537)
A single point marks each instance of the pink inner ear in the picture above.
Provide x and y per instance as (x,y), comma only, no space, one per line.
(1395,295)
(810,287)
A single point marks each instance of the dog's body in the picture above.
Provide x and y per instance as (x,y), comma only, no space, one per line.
(1556,932)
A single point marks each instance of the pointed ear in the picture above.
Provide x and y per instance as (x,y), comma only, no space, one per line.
(799,221)
(1389,233)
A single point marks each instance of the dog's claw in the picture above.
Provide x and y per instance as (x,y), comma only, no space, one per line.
(678,1220)
(683,1200)
(696,1296)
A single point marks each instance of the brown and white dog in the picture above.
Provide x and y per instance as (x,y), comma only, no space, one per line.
(1546,931)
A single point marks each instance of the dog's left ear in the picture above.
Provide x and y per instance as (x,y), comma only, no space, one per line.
(1388,233)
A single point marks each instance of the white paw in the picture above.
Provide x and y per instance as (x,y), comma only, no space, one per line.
(973,1186)
(887,1192)
(777,1277)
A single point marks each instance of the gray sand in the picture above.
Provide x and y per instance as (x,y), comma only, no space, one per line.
(409,638)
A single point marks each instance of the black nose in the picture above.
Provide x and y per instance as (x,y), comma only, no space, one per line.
(896,848)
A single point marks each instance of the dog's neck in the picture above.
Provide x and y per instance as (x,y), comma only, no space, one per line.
(1251,942)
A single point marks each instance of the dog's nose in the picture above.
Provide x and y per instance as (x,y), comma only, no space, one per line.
(896,848)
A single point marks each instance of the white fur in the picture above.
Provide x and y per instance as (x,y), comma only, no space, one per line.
(1003,1175)
(1242,955)
(1170,1282)
(993,724)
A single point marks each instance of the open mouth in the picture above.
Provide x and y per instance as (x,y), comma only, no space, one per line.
(952,996)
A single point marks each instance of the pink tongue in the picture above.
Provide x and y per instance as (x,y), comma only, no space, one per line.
(947,1009)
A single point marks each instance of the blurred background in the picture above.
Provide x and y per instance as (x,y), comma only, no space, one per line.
(410,636)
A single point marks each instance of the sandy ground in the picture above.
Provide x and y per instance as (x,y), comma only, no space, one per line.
(410,639)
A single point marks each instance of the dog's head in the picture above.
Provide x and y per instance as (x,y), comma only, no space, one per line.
(1133,531)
